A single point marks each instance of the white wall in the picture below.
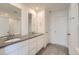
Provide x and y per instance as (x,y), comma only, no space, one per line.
(58,27)
(38,21)
(41,21)
(24,22)
(47,18)
(73,29)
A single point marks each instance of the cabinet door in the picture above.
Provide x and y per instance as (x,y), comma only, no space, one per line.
(32,46)
(35,44)
(17,49)
(39,42)
(45,40)
(20,51)
(2,51)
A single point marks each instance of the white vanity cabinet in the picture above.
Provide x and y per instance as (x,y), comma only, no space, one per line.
(32,46)
(35,44)
(27,47)
(20,48)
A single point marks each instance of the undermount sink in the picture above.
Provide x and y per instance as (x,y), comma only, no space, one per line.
(12,40)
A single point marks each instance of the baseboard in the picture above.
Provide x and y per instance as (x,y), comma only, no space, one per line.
(59,45)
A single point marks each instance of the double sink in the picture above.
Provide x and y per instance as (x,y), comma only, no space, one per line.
(14,39)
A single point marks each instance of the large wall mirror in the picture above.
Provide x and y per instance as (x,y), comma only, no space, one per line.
(29,23)
(10,21)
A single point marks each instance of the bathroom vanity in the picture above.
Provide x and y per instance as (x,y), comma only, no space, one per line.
(26,45)
(21,32)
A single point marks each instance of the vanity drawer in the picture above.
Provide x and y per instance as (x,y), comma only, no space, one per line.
(32,52)
(23,43)
(21,51)
(2,51)
(14,48)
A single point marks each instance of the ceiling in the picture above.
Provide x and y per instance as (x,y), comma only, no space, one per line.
(48,6)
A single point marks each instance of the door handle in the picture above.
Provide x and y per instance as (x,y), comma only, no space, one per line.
(68,34)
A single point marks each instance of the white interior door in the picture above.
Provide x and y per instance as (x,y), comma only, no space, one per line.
(61,30)
(58,28)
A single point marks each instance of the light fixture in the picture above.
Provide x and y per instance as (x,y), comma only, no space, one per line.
(37,8)
(4,14)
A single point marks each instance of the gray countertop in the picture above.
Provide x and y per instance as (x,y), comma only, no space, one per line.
(19,39)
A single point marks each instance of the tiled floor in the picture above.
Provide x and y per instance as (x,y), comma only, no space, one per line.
(53,49)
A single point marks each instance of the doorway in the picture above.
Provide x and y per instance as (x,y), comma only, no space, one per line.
(58,27)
